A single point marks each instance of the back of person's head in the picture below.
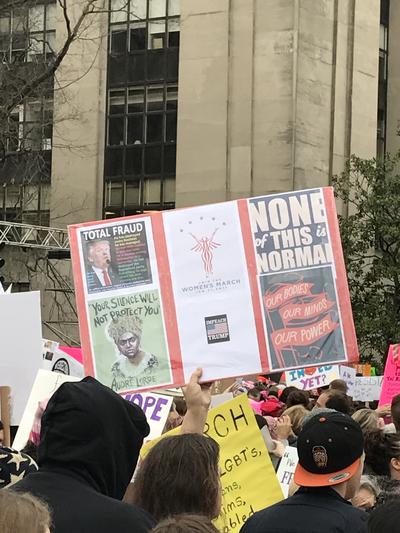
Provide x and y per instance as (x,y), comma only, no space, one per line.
(254,394)
(14,466)
(285,393)
(261,421)
(180,475)
(340,402)
(382,452)
(273,391)
(339,385)
(385,518)
(90,431)
(180,405)
(297,414)
(184,523)
(298,397)
(395,412)
(368,420)
(330,448)
(23,513)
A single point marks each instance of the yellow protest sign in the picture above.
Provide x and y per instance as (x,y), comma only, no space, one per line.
(244,461)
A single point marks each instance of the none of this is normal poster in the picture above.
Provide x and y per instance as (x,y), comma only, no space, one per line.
(302,279)
(120,304)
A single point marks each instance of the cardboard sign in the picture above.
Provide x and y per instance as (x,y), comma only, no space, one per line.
(243,458)
(156,407)
(312,377)
(348,374)
(367,389)
(391,377)
(20,347)
(286,469)
(45,385)
(238,288)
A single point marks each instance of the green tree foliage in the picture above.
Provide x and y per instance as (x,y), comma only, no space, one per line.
(370,230)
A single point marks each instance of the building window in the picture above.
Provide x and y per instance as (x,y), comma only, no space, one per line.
(382,79)
(30,126)
(27,203)
(140,161)
(27,33)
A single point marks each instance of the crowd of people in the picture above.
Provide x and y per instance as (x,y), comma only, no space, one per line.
(79,472)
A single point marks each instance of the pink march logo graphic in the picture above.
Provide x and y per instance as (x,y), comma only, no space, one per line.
(206,245)
(205,242)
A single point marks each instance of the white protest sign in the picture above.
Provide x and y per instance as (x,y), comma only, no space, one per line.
(20,346)
(156,407)
(312,377)
(45,385)
(219,399)
(367,389)
(348,374)
(286,469)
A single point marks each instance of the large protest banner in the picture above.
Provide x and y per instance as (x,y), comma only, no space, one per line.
(237,288)
(391,376)
(243,458)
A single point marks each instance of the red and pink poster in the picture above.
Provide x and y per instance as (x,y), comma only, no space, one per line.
(241,287)
(391,377)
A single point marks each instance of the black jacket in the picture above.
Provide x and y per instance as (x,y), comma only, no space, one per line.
(93,282)
(314,510)
(90,442)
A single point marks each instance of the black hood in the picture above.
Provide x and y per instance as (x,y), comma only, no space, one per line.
(91,432)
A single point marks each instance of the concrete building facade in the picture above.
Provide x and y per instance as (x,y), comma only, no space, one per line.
(164,104)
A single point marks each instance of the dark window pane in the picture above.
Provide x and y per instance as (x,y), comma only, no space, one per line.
(133,161)
(173,39)
(138,39)
(114,158)
(115,131)
(152,160)
(118,41)
(154,128)
(172,97)
(170,159)
(117,72)
(135,67)
(155,98)
(117,102)
(135,129)
(132,194)
(170,129)
(155,65)
(135,100)
(172,64)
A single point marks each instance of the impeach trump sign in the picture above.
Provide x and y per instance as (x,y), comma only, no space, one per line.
(241,287)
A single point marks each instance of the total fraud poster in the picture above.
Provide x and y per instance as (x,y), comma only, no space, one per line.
(123,319)
(236,288)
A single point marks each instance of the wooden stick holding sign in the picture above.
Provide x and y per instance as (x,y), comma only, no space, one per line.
(5,413)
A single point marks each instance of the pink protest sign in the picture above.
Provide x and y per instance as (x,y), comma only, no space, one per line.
(391,378)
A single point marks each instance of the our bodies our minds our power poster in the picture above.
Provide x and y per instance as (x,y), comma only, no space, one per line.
(241,287)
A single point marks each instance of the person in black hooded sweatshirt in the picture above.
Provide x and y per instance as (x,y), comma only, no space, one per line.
(90,442)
